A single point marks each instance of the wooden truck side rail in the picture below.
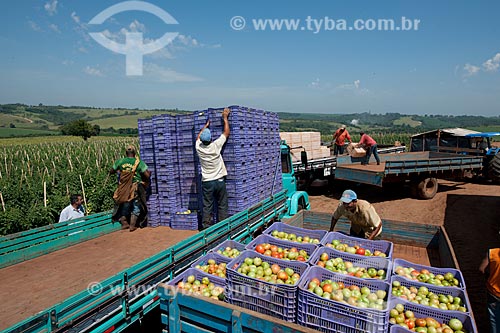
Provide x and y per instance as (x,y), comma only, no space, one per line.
(33,243)
(120,300)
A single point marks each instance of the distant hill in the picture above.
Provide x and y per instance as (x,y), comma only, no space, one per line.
(23,120)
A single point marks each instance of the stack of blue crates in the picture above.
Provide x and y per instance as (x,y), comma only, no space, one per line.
(251,155)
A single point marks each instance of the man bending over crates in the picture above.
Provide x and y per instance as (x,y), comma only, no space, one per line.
(213,171)
(365,222)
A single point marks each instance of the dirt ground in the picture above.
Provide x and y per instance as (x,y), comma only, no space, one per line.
(470,213)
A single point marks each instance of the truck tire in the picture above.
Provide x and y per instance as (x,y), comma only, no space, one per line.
(427,188)
(494,169)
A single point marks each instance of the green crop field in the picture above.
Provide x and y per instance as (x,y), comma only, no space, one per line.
(407,121)
(6,132)
(37,176)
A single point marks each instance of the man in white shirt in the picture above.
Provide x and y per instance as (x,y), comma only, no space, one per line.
(213,171)
(74,211)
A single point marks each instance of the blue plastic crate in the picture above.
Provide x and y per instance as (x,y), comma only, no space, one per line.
(435,270)
(357,260)
(455,292)
(309,248)
(218,259)
(328,315)
(199,275)
(228,243)
(279,226)
(252,292)
(441,316)
(184,221)
(372,245)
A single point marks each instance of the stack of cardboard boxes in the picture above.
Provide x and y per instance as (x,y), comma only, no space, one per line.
(311,141)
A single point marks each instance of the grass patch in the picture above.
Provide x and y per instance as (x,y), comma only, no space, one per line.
(20,132)
(407,121)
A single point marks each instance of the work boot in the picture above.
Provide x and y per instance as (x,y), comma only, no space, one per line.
(133,222)
(124,223)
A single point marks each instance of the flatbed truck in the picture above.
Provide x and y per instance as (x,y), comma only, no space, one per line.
(418,243)
(127,297)
(420,169)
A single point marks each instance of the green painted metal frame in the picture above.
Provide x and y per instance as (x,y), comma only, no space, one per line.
(33,243)
(128,295)
(187,313)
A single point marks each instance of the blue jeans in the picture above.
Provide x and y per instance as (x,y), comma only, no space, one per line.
(214,189)
(494,312)
(372,150)
(130,208)
(339,149)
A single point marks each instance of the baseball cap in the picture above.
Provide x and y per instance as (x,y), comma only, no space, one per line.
(206,136)
(343,126)
(348,196)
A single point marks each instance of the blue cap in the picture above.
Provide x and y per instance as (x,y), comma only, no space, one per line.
(348,196)
(206,136)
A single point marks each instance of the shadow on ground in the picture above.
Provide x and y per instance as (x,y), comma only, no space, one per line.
(473,225)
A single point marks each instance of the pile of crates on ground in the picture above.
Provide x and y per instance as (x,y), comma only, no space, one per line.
(251,155)
(329,289)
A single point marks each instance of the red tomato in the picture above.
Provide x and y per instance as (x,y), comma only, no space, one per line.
(259,248)
(360,251)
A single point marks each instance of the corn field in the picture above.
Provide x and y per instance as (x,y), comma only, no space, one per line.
(36,180)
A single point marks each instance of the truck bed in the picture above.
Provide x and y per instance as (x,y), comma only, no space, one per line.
(34,285)
(415,242)
(395,167)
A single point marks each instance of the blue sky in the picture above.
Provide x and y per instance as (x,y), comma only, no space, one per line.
(449,65)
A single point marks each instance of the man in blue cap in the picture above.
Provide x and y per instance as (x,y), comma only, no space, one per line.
(213,171)
(365,222)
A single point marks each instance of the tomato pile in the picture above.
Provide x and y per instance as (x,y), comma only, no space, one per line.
(356,249)
(338,265)
(256,268)
(423,296)
(446,280)
(280,253)
(229,252)
(214,268)
(407,319)
(203,287)
(293,237)
(361,297)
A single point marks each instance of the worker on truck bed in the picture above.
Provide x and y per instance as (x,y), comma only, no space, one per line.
(130,196)
(365,222)
(490,266)
(213,171)
(339,138)
(370,145)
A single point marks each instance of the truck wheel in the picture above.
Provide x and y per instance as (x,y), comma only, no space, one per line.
(427,188)
(494,169)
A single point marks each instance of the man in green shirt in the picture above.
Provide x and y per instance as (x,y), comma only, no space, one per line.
(130,196)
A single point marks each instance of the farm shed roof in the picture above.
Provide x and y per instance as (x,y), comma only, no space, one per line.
(452,131)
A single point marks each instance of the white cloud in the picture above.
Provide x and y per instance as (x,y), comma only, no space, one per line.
(470,70)
(167,75)
(137,26)
(67,62)
(187,41)
(92,71)
(491,65)
(315,84)
(82,49)
(356,83)
(51,7)
(75,17)
(34,26)
(54,27)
